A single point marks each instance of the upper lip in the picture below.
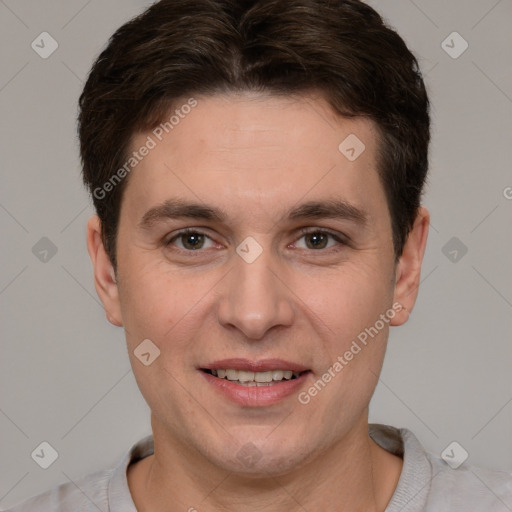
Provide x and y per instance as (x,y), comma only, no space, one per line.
(248,365)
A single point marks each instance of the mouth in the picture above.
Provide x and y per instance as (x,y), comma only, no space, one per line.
(250,379)
(255,383)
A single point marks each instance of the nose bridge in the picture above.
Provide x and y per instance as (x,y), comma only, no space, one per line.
(255,299)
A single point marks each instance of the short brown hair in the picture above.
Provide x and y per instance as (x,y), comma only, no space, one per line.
(341,48)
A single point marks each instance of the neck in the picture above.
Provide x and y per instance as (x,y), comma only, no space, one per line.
(354,475)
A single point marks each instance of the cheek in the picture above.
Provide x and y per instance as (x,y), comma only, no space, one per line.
(347,299)
(351,303)
(163,304)
(151,301)
(343,311)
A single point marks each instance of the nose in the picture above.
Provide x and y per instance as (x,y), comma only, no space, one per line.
(255,297)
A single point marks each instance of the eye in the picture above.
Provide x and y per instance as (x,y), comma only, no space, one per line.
(318,239)
(190,240)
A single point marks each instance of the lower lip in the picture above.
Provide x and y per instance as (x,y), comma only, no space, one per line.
(256,396)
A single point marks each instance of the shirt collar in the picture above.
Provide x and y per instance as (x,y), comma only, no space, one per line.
(119,497)
(413,486)
(410,494)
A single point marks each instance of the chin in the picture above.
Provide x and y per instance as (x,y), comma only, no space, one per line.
(260,457)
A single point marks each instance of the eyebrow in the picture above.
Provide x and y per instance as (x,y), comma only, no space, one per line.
(179,208)
(329,209)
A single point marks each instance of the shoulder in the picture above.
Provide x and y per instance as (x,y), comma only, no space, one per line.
(468,487)
(87,494)
(103,490)
(430,484)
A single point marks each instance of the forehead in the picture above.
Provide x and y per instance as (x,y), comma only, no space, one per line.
(256,150)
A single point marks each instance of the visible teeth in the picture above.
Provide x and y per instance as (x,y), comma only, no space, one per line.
(253,378)
(245,376)
(263,376)
(277,375)
(232,374)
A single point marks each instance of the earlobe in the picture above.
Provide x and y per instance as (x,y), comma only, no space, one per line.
(409,267)
(104,275)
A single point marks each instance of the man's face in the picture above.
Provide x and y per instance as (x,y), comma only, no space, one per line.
(251,287)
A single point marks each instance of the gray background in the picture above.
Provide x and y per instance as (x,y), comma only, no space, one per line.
(65,375)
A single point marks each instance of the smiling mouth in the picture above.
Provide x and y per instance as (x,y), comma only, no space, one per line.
(249,379)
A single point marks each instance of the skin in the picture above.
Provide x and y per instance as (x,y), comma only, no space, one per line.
(256,156)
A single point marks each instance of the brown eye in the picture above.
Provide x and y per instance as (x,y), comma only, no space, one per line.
(189,240)
(192,240)
(319,240)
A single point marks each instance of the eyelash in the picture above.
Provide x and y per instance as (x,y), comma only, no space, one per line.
(303,232)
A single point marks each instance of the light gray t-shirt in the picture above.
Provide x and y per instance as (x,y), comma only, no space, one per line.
(427,483)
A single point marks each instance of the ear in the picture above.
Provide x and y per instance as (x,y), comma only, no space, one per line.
(104,276)
(408,269)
